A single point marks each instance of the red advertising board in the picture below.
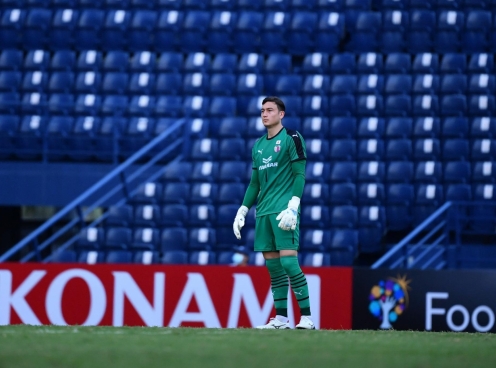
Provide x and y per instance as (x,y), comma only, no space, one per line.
(136,295)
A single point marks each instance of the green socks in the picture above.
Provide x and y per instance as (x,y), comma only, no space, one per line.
(298,283)
(279,285)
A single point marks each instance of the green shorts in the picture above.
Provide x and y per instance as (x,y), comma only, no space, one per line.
(270,238)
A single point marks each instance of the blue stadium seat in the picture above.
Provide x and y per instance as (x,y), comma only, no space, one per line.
(275,27)
(195,83)
(341,127)
(483,149)
(142,83)
(425,105)
(371,194)
(317,172)
(428,199)
(146,257)
(11,59)
(371,84)
(61,33)
(481,105)
(316,259)
(484,172)
(203,193)
(316,193)
(201,215)
(399,200)
(202,258)
(113,35)
(116,61)
(169,83)
(340,194)
(344,84)
(278,63)
(453,83)
(425,63)
(248,28)
(177,193)
(119,257)
(140,30)
(173,239)
(457,172)
(455,149)
(474,36)
(343,149)
(480,63)
(143,61)
(428,172)
(250,84)
(426,127)
(150,193)
(344,216)
(10,81)
(315,217)
(330,32)
(168,29)
(35,81)
(371,149)
(91,257)
(371,127)
(224,62)
(315,240)
(343,63)
(145,239)
(169,106)
(90,238)
(394,26)
(449,25)
(61,82)
(399,128)
(175,257)
(364,35)
(222,84)
(398,105)
(455,127)
(89,27)
(426,84)
(342,105)
(38,60)
(300,37)
(458,192)
(9,125)
(11,23)
(232,171)
(174,215)
(221,29)
(422,26)
(316,84)
(398,84)
(453,105)
(399,172)
(251,63)
(205,171)
(202,238)
(482,84)
(90,60)
(482,216)
(427,149)
(370,63)
(231,193)
(371,171)
(223,4)
(117,238)
(453,63)
(178,172)
(147,215)
(399,149)
(372,220)
(343,171)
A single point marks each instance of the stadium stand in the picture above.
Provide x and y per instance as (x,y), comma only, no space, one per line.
(394,98)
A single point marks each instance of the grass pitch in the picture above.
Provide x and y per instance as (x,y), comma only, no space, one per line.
(49,346)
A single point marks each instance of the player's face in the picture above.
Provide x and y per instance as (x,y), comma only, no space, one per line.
(271,116)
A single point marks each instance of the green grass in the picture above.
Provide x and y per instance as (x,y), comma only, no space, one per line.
(48,346)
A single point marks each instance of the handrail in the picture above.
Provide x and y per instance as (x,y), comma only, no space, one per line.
(414,233)
(79,200)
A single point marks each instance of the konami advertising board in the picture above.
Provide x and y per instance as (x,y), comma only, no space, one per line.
(136,295)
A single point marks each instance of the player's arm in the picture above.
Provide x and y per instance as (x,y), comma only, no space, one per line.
(251,195)
(297,154)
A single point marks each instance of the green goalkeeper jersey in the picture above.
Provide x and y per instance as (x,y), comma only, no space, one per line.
(272,157)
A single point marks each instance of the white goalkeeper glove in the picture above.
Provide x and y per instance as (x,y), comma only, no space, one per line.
(239,221)
(289,216)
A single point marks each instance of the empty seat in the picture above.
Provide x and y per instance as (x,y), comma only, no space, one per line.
(457,172)
(399,200)
(428,199)
(11,23)
(484,171)
(426,127)
(316,217)
(146,238)
(474,37)
(449,25)
(364,36)
(426,62)
(202,258)
(140,29)
(90,238)
(117,237)
(426,84)
(202,238)
(344,216)
(330,32)
(146,257)
(399,171)
(275,26)
(371,194)
(248,27)
(371,171)
(427,149)
(372,127)
(174,215)
(422,26)
(344,172)
(343,63)
(88,28)
(175,257)
(61,33)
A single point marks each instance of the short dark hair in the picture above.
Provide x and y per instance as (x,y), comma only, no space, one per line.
(277,101)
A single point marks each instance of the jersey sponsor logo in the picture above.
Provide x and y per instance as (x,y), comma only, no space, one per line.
(267,160)
(278,142)
(267,163)
(277,149)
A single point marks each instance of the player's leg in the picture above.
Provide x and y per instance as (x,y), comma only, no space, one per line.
(264,242)
(288,244)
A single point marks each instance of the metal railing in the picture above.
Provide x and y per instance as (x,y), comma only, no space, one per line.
(32,245)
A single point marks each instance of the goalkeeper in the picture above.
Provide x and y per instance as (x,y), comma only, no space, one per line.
(277,181)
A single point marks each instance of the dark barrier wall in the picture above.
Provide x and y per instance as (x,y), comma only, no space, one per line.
(424,300)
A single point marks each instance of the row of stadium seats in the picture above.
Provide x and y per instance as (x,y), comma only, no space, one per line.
(366,105)
(299,33)
(255,4)
(246,63)
(309,259)
(219,84)
(163,240)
